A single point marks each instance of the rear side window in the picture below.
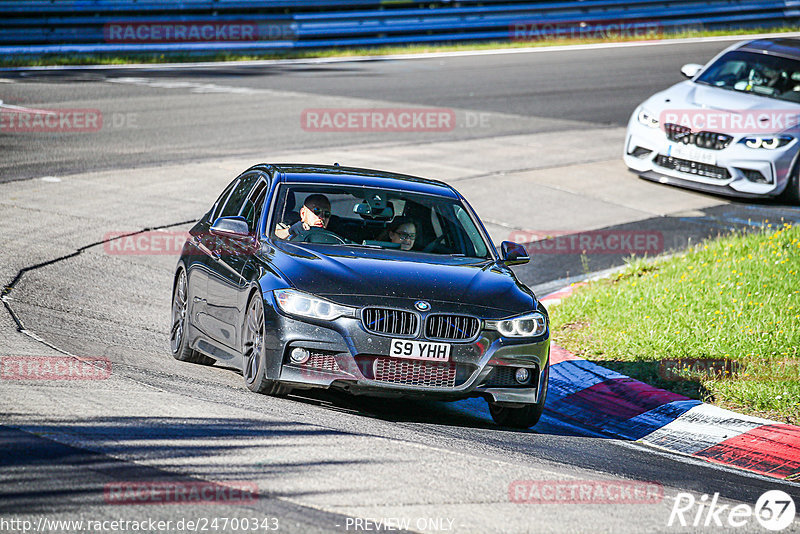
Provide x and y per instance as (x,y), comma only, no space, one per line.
(220,203)
(253,206)
(239,194)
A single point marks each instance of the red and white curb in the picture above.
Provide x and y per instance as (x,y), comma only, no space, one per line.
(590,399)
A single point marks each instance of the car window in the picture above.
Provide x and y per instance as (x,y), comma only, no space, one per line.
(220,203)
(389,219)
(760,74)
(471,231)
(253,206)
(239,194)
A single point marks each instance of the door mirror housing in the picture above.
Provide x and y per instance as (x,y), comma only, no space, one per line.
(690,70)
(230,227)
(513,253)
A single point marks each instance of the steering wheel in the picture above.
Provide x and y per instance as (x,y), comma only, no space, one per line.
(322,236)
(435,243)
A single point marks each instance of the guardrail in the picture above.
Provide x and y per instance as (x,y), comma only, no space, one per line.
(96,26)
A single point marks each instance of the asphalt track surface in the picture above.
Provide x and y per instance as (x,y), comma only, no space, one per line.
(545,156)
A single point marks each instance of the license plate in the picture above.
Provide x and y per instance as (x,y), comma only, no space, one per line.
(420,350)
(692,153)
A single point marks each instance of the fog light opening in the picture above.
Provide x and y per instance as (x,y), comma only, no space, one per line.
(299,355)
(522,375)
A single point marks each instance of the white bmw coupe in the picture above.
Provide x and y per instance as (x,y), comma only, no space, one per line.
(733,128)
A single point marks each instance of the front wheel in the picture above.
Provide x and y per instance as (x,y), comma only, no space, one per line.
(791,194)
(253,365)
(524,416)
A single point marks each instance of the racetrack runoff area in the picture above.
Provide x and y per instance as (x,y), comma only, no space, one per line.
(318,460)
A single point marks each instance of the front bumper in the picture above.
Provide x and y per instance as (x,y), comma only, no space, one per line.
(735,170)
(344,355)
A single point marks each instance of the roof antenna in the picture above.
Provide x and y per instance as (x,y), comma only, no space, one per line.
(335,163)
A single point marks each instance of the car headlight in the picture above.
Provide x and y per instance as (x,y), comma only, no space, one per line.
(770,142)
(647,118)
(296,302)
(528,325)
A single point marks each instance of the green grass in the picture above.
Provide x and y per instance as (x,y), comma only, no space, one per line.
(120,59)
(735,298)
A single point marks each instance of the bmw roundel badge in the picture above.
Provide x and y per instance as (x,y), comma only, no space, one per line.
(422,306)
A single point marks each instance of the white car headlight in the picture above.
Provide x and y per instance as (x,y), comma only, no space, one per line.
(528,325)
(770,142)
(647,118)
(296,302)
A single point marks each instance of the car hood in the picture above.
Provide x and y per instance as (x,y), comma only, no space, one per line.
(690,96)
(343,274)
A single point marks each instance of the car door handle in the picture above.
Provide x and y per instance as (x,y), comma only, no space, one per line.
(198,299)
(215,254)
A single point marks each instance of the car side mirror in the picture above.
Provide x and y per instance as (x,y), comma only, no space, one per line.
(230,227)
(513,253)
(690,70)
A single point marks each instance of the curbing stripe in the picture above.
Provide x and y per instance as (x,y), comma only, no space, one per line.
(610,404)
(701,427)
(649,422)
(772,450)
(591,400)
(568,378)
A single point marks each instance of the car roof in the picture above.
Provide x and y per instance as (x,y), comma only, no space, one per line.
(783,46)
(304,173)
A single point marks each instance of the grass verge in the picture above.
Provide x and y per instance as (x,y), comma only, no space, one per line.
(734,301)
(122,59)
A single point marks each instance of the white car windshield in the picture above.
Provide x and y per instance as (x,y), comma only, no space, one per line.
(760,74)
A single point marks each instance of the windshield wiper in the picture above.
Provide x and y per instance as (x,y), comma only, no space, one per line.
(361,245)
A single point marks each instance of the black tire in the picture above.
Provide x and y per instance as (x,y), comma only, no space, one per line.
(524,416)
(791,194)
(254,353)
(179,341)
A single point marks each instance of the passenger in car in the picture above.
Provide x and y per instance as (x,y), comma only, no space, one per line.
(403,231)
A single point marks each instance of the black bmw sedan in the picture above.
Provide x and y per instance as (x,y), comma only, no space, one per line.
(377,283)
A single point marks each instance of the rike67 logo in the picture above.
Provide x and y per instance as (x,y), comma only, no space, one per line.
(774,510)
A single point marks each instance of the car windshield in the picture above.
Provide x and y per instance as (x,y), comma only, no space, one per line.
(760,74)
(377,218)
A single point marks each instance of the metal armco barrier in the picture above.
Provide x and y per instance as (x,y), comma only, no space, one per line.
(96,26)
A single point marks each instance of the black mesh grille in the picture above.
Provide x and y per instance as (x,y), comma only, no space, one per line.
(415,373)
(640,152)
(710,140)
(389,321)
(326,362)
(754,176)
(506,377)
(692,167)
(451,327)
